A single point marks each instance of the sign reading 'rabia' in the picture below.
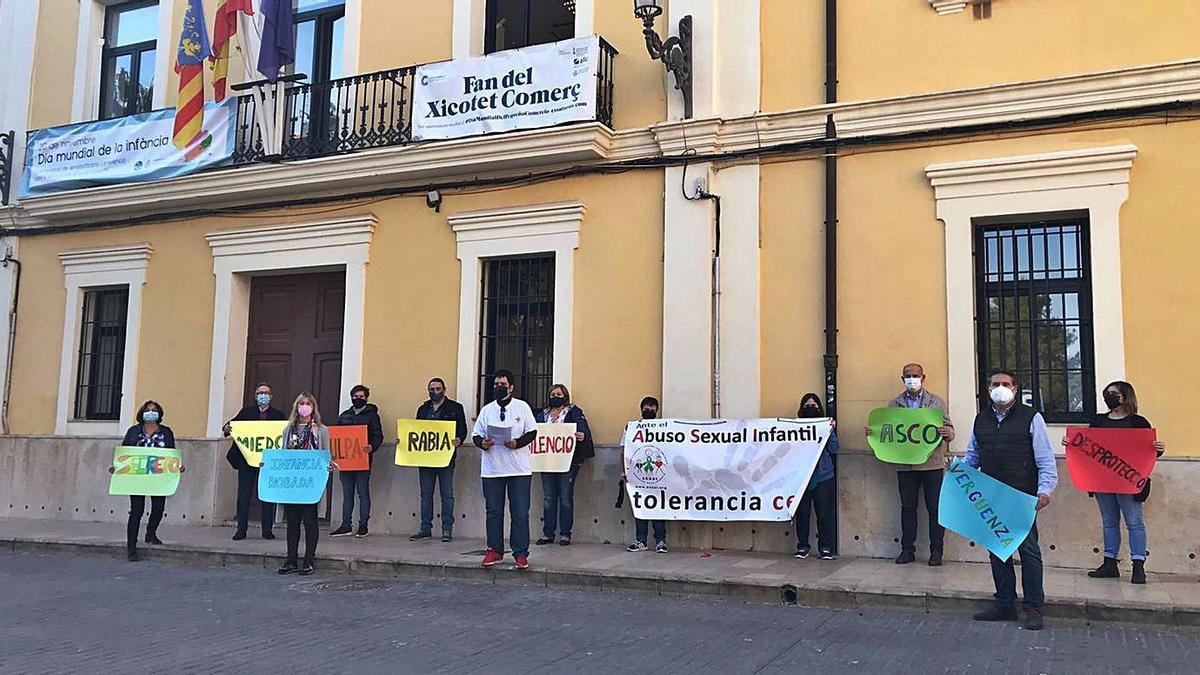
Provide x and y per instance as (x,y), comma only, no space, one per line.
(526,88)
(428,443)
(721,470)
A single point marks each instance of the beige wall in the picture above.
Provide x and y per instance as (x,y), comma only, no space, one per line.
(53,63)
(395,35)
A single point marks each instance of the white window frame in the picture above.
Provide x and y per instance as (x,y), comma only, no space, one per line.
(84,270)
(239,255)
(1095,180)
(89,47)
(470,17)
(543,228)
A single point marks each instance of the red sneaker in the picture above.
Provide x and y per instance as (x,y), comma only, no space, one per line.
(491,558)
(522,562)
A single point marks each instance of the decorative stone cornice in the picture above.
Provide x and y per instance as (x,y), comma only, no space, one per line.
(538,220)
(1069,169)
(948,6)
(321,234)
(109,259)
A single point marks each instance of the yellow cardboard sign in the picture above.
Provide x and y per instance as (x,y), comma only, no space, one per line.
(553,449)
(254,437)
(428,443)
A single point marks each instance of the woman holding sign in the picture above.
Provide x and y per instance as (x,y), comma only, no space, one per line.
(303,432)
(1122,414)
(558,503)
(149,432)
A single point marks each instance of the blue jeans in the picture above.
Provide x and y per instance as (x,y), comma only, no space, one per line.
(444,479)
(360,482)
(660,530)
(517,489)
(558,503)
(1005,576)
(1111,509)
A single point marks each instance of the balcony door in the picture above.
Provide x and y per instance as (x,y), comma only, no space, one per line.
(128,58)
(320,36)
(512,24)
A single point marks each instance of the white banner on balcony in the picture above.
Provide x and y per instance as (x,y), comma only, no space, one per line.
(123,150)
(528,88)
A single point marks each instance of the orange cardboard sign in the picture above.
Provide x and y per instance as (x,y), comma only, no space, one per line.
(348,448)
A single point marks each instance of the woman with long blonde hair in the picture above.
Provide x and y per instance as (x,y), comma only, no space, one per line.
(303,432)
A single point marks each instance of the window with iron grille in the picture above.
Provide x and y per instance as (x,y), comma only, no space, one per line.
(101,354)
(1034,313)
(512,24)
(517,326)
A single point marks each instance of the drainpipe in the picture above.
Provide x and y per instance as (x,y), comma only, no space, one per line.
(12,337)
(701,194)
(831,218)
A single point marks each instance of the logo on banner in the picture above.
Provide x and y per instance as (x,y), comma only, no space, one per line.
(649,464)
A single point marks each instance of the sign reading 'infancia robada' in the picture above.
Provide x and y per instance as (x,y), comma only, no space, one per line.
(721,469)
(517,89)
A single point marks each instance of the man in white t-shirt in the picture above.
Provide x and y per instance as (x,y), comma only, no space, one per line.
(503,432)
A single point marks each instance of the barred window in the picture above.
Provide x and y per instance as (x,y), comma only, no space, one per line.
(101,354)
(517,326)
(1034,313)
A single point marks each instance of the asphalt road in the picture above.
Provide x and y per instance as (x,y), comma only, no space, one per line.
(62,613)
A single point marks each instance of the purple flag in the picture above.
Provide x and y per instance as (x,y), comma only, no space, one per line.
(278,38)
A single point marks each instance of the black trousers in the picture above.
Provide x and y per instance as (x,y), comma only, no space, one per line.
(247,482)
(821,499)
(297,514)
(137,507)
(911,484)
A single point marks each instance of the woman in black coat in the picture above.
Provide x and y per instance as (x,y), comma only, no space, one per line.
(149,432)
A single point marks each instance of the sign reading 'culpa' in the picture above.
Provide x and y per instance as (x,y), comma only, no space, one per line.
(528,88)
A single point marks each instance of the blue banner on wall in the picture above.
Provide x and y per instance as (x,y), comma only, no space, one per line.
(994,515)
(123,150)
(293,476)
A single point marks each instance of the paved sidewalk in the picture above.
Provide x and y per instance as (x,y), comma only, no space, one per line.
(750,577)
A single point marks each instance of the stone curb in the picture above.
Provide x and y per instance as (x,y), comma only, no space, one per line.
(809,594)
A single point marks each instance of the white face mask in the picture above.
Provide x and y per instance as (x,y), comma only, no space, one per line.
(912,384)
(1002,395)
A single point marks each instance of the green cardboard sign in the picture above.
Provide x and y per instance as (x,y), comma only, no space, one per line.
(904,435)
(151,472)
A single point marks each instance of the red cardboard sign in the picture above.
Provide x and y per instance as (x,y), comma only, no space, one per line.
(1117,461)
(348,448)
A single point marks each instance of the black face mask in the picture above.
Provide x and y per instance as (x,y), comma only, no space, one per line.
(500,393)
(436,396)
(358,402)
(810,411)
(1113,401)
(649,414)
(557,401)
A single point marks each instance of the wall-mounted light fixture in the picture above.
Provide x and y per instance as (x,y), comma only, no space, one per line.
(433,199)
(675,53)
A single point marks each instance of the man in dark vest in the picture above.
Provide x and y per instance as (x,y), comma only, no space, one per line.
(1009,442)
(248,475)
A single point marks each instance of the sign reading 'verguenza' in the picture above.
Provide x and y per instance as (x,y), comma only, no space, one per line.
(526,88)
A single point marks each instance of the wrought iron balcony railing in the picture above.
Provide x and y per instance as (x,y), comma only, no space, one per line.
(7,147)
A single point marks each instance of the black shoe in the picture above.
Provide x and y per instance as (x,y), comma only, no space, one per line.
(343,531)
(544,540)
(288,568)
(1107,570)
(447,538)
(1033,619)
(238,536)
(152,538)
(133,556)
(827,554)
(421,536)
(997,613)
(802,551)
(935,559)
(362,532)
(307,569)
(268,535)
(1139,572)
(905,557)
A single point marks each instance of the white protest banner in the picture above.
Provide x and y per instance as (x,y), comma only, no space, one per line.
(721,470)
(528,88)
(553,449)
(123,150)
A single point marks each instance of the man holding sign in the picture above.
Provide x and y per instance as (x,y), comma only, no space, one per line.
(439,408)
(260,410)
(1009,442)
(353,476)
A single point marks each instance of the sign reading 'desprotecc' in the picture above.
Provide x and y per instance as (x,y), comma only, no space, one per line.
(526,88)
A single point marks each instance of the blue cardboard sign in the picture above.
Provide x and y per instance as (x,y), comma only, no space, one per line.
(990,513)
(293,476)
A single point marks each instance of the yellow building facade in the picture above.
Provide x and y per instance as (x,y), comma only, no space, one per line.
(1013,181)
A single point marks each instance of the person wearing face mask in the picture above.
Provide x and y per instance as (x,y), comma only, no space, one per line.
(921,478)
(1121,401)
(260,410)
(821,494)
(149,432)
(360,413)
(1009,442)
(505,469)
(439,407)
(303,432)
(558,505)
(650,409)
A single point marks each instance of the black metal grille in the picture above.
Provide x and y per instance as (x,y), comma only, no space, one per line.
(1034,312)
(7,147)
(517,326)
(101,354)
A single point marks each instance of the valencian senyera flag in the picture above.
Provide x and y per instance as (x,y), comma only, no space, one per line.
(225,27)
(189,63)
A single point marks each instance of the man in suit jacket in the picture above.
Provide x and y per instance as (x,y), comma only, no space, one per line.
(248,475)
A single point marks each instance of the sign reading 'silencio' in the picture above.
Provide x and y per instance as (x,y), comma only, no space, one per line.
(721,470)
